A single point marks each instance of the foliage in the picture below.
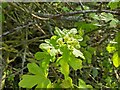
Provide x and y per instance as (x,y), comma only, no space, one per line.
(60,45)
(62,49)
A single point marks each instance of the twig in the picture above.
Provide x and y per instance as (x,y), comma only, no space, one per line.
(14,73)
(41,18)
(16,29)
(25,49)
(51,16)
(40,29)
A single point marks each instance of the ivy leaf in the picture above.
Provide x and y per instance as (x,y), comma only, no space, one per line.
(78,53)
(116,59)
(67,83)
(75,63)
(39,55)
(35,69)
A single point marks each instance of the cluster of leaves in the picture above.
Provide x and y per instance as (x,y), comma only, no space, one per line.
(86,54)
(62,49)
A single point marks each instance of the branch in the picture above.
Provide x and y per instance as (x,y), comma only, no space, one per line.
(51,16)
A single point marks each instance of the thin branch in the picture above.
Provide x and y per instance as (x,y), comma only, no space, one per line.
(77,12)
(14,73)
(16,29)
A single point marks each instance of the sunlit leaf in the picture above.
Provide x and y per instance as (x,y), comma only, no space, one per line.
(45,46)
(35,69)
(78,53)
(75,63)
(81,84)
(116,59)
(28,81)
(67,83)
(59,32)
(40,55)
(64,68)
(110,48)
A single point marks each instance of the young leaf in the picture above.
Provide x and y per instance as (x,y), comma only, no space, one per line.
(78,53)
(116,59)
(45,46)
(59,32)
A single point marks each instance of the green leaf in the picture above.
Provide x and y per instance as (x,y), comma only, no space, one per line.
(110,48)
(113,23)
(118,42)
(65,52)
(75,63)
(53,40)
(116,59)
(59,32)
(94,16)
(35,69)
(67,83)
(53,52)
(78,53)
(85,26)
(73,31)
(2,17)
(28,81)
(88,56)
(4,4)
(64,68)
(115,4)
(94,72)
(82,84)
(89,86)
(91,49)
(39,55)
(65,9)
(45,46)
